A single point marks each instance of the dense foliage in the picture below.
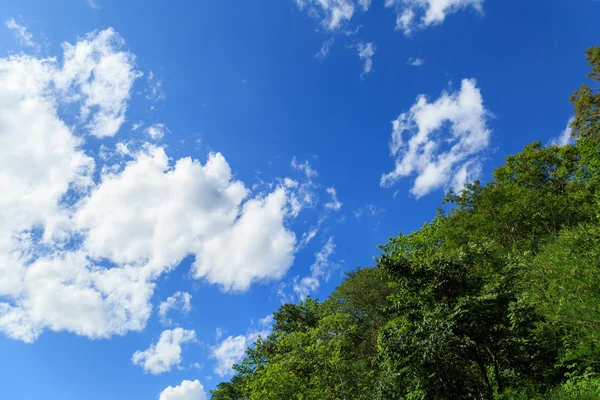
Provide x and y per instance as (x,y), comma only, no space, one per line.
(497,298)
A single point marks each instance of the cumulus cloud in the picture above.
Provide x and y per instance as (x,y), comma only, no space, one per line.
(180,300)
(565,137)
(440,142)
(82,246)
(419,14)
(319,270)
(188,390)
(366,51)
(232,349)
(166,353)
(21,32)
(100,75)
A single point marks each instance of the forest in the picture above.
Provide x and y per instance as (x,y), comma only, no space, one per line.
(498,297)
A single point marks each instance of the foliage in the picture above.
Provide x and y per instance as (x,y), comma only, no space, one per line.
(497,298)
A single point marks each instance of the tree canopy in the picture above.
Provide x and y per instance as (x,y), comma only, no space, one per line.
(496,298)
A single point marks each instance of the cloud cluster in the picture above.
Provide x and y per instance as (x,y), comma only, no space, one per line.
(411,14)
(440,142)
(166,353)
(81,244)
(420,14)
(188,390)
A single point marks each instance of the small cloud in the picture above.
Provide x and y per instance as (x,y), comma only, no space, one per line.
(565,137)
(412,15)
(154,90)
(164,355)
(180,300)
(93,4)
(21,32)
(188,390)
(304,167)
(331,13)
(440,142)
(321,269)
(325,48)
(334,204)
(266,321)
(157,131)
(366,51)
(307,237)
(232,349)
(369,210)
(415,62)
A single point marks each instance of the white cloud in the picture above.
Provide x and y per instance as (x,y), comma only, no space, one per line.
(196,209)
(81,246)
(232,349)
(256,247)
(565,137)
(419,14)
(219,332)
(154,91)
(364,4)
(440,142)
(366,51)
(166,353)
(307,237)
(332,13)
(368,209)
(181,300)
(94,4)
(325,48)
(334,204)
(188,390)
(415,62)
(319,270)
(266,321)
(21,32)
(304,167)
(44,170)
(100,75)
(157,131)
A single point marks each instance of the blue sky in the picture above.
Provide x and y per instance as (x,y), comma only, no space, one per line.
(174,171)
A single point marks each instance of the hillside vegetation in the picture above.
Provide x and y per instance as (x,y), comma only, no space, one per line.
(497,298)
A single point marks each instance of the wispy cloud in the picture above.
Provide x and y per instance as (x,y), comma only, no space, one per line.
(21,32)
(366,51)
(565,137)
(415,62)
(93,4)
(325,48)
